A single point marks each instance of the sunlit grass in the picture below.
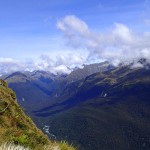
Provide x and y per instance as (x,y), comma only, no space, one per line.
(17,130)
(11,146)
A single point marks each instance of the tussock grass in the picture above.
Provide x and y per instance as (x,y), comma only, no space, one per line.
(16,128)
(11,146)
(54,146)
(63,145)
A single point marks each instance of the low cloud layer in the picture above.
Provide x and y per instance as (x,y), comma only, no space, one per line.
(119,44)
(63,63)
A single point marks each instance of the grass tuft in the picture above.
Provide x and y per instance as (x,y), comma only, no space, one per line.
(11,146)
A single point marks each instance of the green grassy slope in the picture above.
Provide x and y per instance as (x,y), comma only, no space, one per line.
(16,127)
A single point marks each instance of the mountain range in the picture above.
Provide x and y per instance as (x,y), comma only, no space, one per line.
(39,87)
(98,107)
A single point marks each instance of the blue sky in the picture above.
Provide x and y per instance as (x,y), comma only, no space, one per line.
(28,28)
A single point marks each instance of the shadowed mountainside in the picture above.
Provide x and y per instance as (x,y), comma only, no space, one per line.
(107,110)
(37,89)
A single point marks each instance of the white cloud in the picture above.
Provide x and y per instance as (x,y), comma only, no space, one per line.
(9,65)
(75,24)
(122,33)
(118,44)
(74,30)
(62,63)
(61,69)
(71,59)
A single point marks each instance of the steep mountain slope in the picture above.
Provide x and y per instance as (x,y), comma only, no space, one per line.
(16,127)
(107,110)
(81,73)
(39,88)
(33,88)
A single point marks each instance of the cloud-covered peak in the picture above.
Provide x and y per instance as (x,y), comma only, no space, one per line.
(61,64)
(119,44)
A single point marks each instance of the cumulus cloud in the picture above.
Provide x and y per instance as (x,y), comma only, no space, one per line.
(74,29)
(75,24)
(61,64)
(119,44)
(122,33)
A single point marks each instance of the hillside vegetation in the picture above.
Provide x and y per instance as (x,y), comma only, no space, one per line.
(18,129)
(105,111)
